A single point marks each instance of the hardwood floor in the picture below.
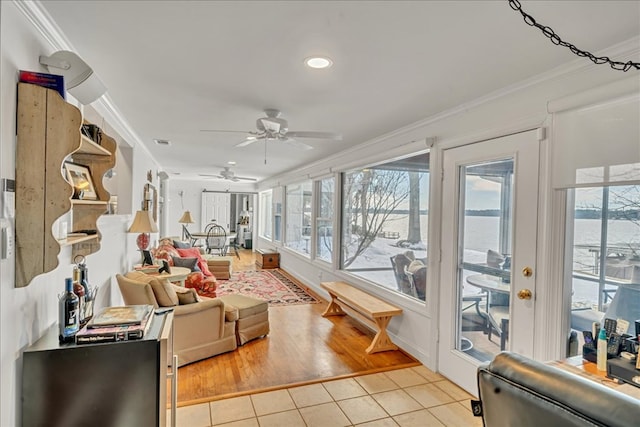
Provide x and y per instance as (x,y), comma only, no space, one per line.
(303,347)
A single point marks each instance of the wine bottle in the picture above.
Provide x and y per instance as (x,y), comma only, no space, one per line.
(89,295)
(84,280)
(68,313)
(78,289)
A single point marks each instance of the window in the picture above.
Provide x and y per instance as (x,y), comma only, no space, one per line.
(324,221)
(277,214)
(265,214)
(384,218)
(298,217)
(605,269)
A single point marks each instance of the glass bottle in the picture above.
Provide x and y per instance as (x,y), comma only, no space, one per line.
(78,289)
(88,295)
(68,313)
(602,351)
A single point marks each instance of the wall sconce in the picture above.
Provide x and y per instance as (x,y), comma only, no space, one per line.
(79,78)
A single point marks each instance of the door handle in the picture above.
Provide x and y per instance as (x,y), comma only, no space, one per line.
(527,272)
(525,294)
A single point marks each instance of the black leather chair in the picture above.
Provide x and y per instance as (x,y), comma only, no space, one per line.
(517,391)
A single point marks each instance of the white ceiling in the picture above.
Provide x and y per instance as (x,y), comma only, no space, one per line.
(173,68)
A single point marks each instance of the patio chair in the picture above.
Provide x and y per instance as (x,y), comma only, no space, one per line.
(416,273)
(399,263)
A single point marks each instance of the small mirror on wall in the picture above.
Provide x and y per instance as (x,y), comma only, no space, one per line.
(150,200)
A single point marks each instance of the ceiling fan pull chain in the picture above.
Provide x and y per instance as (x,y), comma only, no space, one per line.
(265,150)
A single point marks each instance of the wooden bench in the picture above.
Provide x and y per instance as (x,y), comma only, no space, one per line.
(365,308)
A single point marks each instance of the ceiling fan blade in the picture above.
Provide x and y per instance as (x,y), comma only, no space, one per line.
(227,131)
(242,178)
(247,141)
(318,135)
(296,144)
(210,176)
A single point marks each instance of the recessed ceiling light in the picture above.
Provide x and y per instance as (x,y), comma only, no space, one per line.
(162,141)
(318,62)
(231,162)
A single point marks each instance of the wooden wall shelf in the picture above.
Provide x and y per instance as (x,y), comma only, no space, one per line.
(87,146)
(71,240)
(49,135)
(89,202)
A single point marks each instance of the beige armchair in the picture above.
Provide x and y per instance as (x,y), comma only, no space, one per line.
(200,329)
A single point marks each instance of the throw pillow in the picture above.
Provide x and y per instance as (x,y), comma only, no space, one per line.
(195,253)
(186,295)
(181,245)
(162,289)
(415,266)
(165,241)
(494,259)
(165,252)
(190,263)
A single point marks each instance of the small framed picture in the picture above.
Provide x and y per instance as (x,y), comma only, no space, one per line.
(146,258)
(79,176)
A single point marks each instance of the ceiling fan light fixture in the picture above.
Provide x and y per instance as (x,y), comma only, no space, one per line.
(231,162)
(318,62)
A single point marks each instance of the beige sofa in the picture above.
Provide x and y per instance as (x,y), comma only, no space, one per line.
(201,329)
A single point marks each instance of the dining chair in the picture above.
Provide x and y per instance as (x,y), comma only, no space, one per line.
(189,236)
(217,240)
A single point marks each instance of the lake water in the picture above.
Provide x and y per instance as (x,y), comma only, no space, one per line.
(482,234)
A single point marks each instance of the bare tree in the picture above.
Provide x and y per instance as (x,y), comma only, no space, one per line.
(414,235)
(371,196)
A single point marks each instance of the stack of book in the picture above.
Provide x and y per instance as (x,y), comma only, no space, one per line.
(117,324)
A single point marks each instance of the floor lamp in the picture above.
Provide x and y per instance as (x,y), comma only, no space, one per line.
(184,220)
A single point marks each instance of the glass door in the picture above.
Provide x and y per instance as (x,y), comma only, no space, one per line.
(488,253)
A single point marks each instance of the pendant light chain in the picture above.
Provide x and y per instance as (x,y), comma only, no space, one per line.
(555,39)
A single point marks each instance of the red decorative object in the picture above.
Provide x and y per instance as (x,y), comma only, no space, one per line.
(143,241)
(203,285)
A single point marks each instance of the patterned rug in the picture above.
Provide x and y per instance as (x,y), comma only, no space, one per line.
(269,285)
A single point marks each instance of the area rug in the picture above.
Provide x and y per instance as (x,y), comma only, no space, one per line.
(270,285)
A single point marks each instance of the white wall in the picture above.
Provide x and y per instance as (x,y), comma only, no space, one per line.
(25,313)
(192,199)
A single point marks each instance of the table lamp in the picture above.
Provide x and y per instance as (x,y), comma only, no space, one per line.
(185,219)
(144,224)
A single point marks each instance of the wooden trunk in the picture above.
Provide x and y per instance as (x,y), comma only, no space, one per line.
(267,259)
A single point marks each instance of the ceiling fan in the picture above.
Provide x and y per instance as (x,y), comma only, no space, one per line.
(227,174)
(273,127)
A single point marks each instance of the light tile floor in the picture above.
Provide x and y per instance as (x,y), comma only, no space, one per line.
(408,397)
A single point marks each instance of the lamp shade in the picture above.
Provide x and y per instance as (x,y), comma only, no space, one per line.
(186,218)
(143,223)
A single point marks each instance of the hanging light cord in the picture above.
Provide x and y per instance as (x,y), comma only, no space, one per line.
(555,39)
